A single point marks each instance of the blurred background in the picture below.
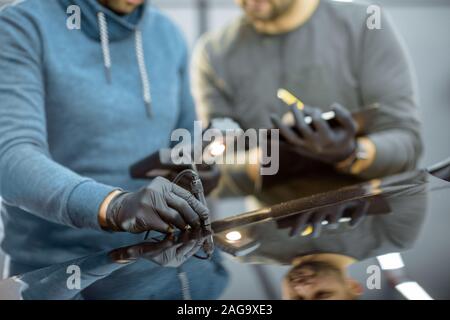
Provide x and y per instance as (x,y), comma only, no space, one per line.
(424,25)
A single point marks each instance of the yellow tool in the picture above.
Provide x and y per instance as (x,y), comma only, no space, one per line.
(290,99)
(309,229)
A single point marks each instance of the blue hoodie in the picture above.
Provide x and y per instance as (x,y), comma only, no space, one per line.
(75,113)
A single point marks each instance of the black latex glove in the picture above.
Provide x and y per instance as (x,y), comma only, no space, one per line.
(319,140)
(170,252)
(160,206)
(355,210)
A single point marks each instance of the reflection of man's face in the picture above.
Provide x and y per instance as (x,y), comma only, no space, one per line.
(265,10)
(318,281)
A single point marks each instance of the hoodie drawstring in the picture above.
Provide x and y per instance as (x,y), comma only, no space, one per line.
(104,39)
(143,71)
(139,47)
(184,283)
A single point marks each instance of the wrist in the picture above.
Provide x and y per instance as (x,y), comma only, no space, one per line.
(361,159)
(349,160)
(102,214)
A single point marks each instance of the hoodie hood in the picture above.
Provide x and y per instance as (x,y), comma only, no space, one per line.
(105,26)
(119,27)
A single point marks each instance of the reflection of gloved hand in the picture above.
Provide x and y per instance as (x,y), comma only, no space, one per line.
(319,140)
(159,206)
(170,252)
(355,210)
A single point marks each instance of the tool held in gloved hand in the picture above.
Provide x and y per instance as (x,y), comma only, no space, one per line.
(362,117)
(319,140)
(160,206)
(187,176)
(327,137)
(198,192)
(199,180)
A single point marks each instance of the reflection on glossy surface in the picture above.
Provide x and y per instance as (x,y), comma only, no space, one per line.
(321,236)
(172,251)
(352,220)
(318,236)
(149,270)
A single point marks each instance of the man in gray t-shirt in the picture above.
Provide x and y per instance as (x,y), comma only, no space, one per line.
(325,53)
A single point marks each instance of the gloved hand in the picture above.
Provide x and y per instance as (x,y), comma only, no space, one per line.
(160,206)
(170,252)
(319,140)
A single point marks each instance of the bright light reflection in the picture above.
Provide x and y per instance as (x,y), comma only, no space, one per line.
(411,290)
(216,148)
(233,236)
(391,261)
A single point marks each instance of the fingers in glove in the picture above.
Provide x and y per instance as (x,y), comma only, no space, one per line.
(300,124)
(334,214)
(167,256)
(316,221)
(359,213)
(199,208)
(285,131)
(146,224)
(345,119)
(322,128)
(300,224)
(198,246)
(184,209)
(185,249)
(172,217)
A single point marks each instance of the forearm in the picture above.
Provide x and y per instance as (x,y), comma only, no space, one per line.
(384,153)
(397,151)
(29,179)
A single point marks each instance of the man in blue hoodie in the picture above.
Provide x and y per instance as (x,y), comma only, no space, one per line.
(77,107)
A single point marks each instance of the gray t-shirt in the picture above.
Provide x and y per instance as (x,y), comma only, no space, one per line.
(333,57)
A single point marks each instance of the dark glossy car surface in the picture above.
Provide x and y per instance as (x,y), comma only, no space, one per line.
(406,214)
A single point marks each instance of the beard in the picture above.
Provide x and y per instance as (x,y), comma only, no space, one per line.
(120,7)
(277,9)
